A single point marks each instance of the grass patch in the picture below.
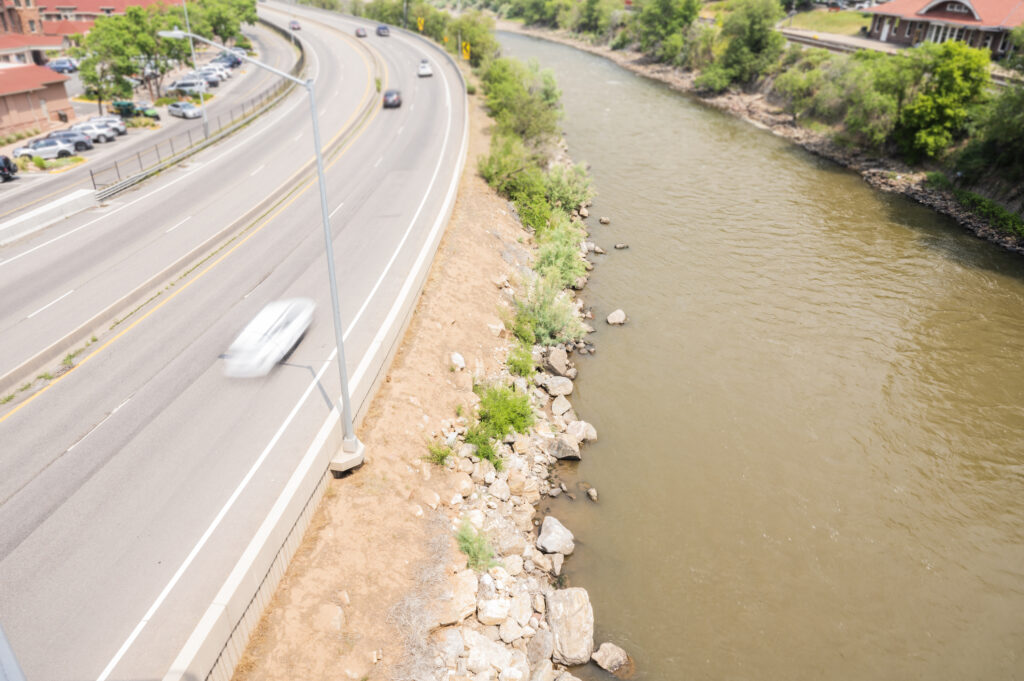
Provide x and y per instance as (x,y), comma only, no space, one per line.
(477,436)
(995,214)
(502,410)
(476,546)
(841,23)
(63,162)
(520,360)
(45,376)
(69,359)
(438,454)
(141,122)
(6,398)
(24,387)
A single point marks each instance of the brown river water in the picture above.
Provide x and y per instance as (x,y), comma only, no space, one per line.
(811,454)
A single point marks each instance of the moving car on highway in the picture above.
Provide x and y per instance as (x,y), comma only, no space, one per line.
(392,99)
(360,32)
(184,110)
(269,338)
(8,169)
(424,70)
(294,25)
(48,148)
(383,31)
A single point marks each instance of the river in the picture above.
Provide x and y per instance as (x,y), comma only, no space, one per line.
(811,453)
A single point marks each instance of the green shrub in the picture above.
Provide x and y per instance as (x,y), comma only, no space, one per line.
(140,122)
(39,162)
(545,315)
(520,360)
(438,453)
(503,410)
(477,435)
(568,188)
(995,214)
(558,257)
(164,101)
(476,546)
(470,89)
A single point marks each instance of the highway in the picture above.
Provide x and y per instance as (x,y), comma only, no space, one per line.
(130,485)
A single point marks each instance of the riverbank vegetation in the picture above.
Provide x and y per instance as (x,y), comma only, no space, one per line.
(933,106)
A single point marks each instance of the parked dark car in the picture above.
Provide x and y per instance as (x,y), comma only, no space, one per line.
(392,99)
(228,59)
(360,32)
(383,31)
(8,169)
(81,141)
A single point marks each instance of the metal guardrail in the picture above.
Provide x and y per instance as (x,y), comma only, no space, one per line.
(129,171)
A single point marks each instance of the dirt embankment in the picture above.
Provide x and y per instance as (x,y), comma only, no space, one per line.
(885,174)
(356,599)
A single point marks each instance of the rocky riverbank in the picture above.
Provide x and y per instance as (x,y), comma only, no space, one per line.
(379,588)
(884,174)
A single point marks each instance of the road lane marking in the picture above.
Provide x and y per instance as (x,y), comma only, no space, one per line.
(51,303)
(400,130)
(378,161)
(412,107)
(297,137)
(178,225)
(93,429)
(253,173)
(336,209)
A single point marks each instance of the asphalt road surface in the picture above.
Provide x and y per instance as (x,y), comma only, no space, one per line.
(130,485)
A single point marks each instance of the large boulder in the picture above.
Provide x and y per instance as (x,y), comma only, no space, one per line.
(557,361)
(459,601)
(493,610)
(558,385)
(540,648)
(555,537)
(617,318)
(571,619)
(484,654)
(562,447)
(610,657)
(560,405)
(581,431)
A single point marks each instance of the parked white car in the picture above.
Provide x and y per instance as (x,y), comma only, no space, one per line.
(95,131)
(112,121)
(222,72)
(48,148)
(189,86)
(184,110)
(269,338)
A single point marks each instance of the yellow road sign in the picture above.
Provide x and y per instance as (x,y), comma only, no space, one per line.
(419,22)
(465,51)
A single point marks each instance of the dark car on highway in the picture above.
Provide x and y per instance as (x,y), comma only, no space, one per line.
(8,169)
(383,31)
(392,99)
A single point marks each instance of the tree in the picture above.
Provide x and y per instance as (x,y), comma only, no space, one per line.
(661,19)
(107,50)
(956,78)
(754,44)
(154,56)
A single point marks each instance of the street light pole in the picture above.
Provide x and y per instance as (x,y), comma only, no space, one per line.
(351,446)
(192,49)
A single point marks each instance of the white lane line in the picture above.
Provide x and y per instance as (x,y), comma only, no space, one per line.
(93,429)
(297,137)
(51,303)
(114,661)
(400,130)
(323,112)
(253,173)
(336,209)
(412,107)
(178,225)
(378,161)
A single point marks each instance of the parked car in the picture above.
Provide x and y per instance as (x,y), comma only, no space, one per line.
(8,169)
(209,77)
(48,148)
(184,110)
(360,32)
(424,70)
(189,86)
(294,25)
(223,71)
(383,31)
(80,141)
(112,121)
(62,65)
(95,131)
(229,60)
(127,109)
(269,338)
(392,99)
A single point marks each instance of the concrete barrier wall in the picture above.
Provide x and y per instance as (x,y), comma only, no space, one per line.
(219,640)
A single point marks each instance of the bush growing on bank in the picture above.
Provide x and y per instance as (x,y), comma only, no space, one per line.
(501,411)
(998,216)
(476,546)
(520,361)
(558,257)
(545,315)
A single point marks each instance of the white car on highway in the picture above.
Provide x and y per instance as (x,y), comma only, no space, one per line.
(269,338)
(424,70)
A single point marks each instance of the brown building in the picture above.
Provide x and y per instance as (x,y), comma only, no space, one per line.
(31,97)
(978,23)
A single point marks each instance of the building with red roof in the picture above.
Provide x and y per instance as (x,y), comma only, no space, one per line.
(87,10)
(31,97)
(979,23)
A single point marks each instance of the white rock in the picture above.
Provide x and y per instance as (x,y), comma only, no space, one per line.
(581,431)
(554,537)
(484,654)
(562,447)
(430,498)
(556,563)
(592,493)
(493,611)
(510,630)
(450,645)
(557,361)
(610,657)
(513,565)
(463,484)
(476,518)
(560,405)
(540,648)
(500,490)
(459,601)
(521,609)
(616,318)
(558,385)
(458,361)
(571,619)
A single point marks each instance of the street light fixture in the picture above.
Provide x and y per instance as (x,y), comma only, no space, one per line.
(192,49)
(351,446)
